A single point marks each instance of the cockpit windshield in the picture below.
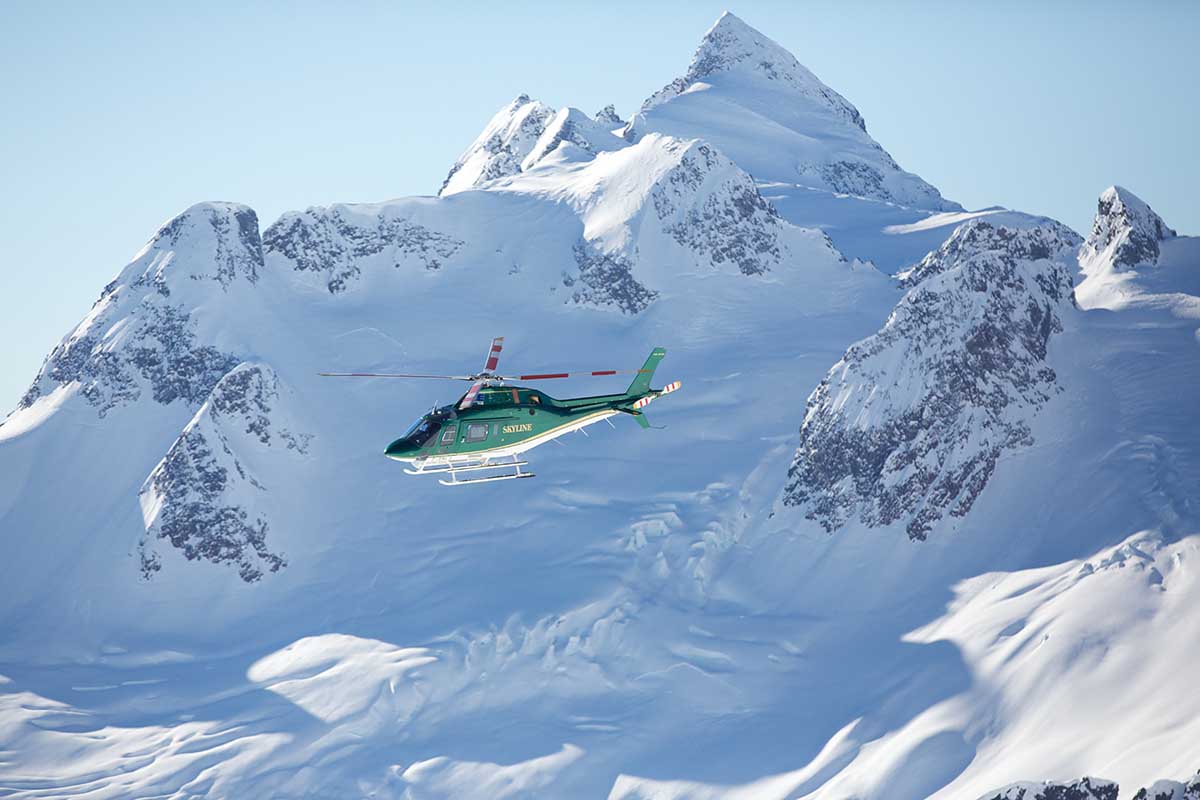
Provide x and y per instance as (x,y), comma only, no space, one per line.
(422,431)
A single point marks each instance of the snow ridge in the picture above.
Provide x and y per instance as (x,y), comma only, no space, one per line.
(332,242)
(570,125)
(141,333)
(1082,789)
(751,98)
(732,46)
(202,498)
(501,147)
(909,425)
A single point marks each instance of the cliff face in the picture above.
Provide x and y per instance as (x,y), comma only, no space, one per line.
(910,424)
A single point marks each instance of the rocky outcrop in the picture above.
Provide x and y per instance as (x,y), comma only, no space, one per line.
(140,335)
(908,426)
(1096,789)
(1171,790)
(499,150)
(606,280)
(1082,789)
(201,498)
(335,242)
(573,127)
(1125,232)
(729,222)
(609,117)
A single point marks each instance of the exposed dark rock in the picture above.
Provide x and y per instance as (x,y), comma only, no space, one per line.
(1083,789)
(606,280)
(1129,227)
(202,492)
(981,240)
(505,142)
(236,253)
(140,332)
(734,224)
(165,354)
(910,424)
(608,116)
(1171,790)
(332,241)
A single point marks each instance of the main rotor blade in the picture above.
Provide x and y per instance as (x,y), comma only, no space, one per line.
(494,355)
(469,397)
(549,375)
(393,375)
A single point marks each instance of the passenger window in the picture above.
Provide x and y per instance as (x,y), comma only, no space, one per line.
(449,434)
(477,431)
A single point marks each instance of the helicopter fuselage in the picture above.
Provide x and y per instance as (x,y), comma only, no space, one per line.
(505,421)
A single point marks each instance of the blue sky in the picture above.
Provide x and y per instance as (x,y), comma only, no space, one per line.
(117,117)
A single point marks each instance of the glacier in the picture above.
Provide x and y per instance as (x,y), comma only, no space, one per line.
(921,523)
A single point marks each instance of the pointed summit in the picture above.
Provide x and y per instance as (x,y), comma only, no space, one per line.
(1126,229)
(503,145)
(751,98)
(732,46)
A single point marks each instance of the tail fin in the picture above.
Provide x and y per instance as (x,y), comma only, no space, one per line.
(641,384)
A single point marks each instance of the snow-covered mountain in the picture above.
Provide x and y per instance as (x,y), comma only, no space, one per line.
(901,537)
(754,101)
(910,424)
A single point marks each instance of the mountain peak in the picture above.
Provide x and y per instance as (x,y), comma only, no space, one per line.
(1127,228)
(504,143)
(735,48)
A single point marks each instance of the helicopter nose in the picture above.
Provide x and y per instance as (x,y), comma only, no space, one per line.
(399,449)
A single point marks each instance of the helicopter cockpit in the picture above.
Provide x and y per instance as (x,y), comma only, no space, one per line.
(422,431)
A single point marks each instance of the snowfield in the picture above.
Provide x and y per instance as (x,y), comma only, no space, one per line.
(922,521)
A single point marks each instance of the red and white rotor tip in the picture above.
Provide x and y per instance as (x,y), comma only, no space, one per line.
(645,401)
(493,358)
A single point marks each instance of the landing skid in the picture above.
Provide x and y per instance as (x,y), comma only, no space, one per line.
(466,466)
(512,476)
(454,470)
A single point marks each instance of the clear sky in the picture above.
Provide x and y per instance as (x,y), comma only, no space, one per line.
(117,116)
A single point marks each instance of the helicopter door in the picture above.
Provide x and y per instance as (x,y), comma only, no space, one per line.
(447,439)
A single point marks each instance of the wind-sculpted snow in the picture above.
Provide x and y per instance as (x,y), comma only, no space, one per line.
(333,242)
(910,424)
(140,335)
(499,150)
(1082,789)
(201,498)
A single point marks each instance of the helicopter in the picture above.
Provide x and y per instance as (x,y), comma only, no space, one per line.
(494,422)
